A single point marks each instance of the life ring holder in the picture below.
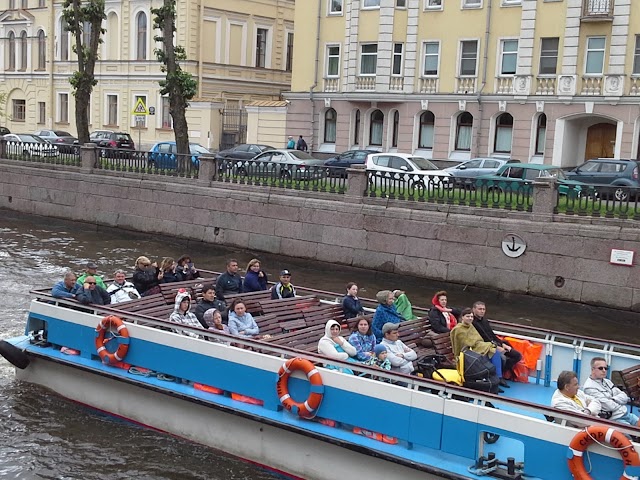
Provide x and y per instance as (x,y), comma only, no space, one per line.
(606,437)
(122,336)
(309,407)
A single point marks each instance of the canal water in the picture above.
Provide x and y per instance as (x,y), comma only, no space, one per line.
(44,436)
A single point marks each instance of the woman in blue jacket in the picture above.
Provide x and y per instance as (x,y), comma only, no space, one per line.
(255,280)
(385,313)
(351,305)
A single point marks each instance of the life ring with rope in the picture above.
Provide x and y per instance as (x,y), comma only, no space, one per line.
(308,408)
(122,336)
(608,438)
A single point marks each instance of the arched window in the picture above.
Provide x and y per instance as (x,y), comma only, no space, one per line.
(425,137)
(141,33)
(330,126)
(504,133)
(356,128)
(464,127)
(541,134)
(86,34)
(394,131)
(23,50)
(64,40)
(12,51)
(375,128)
(42,50)
(112,40)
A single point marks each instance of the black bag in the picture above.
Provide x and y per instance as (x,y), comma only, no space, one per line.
(478,372)
(430,363)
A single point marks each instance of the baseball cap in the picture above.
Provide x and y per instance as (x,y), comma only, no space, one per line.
(389,327)
(92,265)
(285,272)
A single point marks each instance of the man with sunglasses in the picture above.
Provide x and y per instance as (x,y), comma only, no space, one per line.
(611,398)
(92,293)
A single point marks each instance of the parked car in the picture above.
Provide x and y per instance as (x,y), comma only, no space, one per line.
(282,163)
(29,145)
(110,140)
(65,142)
(617,172)
(339,164)
(392,167)
(246,151)
(478,166)
(511,176)
(4,131)
(163,155)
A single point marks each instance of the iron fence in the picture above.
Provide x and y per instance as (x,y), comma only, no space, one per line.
(597,8)
(314,178)
(42,153)
(606,201)
(138,161)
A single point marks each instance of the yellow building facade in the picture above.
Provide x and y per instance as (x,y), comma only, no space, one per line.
(239,50)
(544,81)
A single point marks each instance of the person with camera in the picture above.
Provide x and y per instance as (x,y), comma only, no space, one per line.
(92,294)
(185,269)
(121,290)
(612,400)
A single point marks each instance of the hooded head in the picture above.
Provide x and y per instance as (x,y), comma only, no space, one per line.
(382,296)
(180,296)
(327,327)
(378,349)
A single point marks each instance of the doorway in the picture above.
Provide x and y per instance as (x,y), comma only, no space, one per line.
(601,141)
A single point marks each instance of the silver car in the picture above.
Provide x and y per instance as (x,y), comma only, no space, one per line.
(478,166)
(280,163)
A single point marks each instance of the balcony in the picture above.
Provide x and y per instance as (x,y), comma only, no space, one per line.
(635,86)
(396,84)
(466,84)
(428,85)
(366,83)
(504,85)
(545,85)
(597,11)
(592,85)
(331,85)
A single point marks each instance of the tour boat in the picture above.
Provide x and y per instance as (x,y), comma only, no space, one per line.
(274,403)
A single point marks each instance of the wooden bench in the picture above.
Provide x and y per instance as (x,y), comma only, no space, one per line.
(289,308)
(251,300)
(140,304)
(629,379)
(194,287)
(442,346)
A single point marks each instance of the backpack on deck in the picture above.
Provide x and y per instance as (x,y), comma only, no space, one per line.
(478,372)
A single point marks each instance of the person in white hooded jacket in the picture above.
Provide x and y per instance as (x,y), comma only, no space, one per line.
(333,345)
(181,313)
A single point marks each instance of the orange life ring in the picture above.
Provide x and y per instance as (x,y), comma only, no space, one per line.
(122,337)
(307,408)
(600,434)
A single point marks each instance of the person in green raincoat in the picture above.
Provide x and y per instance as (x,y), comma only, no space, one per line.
(403,305)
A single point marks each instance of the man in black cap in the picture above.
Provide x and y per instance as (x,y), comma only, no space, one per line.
(92,271)
(283,289)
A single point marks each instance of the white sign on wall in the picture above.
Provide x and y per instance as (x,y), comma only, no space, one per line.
(622,257)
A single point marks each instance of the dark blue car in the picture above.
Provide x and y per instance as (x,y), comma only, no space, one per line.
(163,155)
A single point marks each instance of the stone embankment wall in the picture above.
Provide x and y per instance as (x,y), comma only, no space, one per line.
(566,258)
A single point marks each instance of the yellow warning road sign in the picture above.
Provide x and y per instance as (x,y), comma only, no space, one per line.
(140,108)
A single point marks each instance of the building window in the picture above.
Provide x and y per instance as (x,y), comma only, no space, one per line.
(25,4)
(330,126)
(425,136)
(541,134)
(41,3)
(368,58)
(335,7)
(395,129)
(471,3)
(42,113)
(19,108)
(63,100)
(468,58)
(42,50)
(64,41)
(112,110)
(397,59)
(261,47)
(504,133)
(12,4)
(375,128)
(333,61)
(431,59)
(464,127)
(401,3)
(141,36)
(167,119)
(509,55)
(356,128)
(594,64)
(86,34)
(12,51)
(289,63)
(434,4)
(23,50)
(371,3)
(549,56)
(636,57)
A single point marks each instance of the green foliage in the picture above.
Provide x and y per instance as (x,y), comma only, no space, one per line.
(3,105)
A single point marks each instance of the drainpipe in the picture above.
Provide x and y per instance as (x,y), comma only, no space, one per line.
(201,49)
(315,77)
(52,65)
(485,59)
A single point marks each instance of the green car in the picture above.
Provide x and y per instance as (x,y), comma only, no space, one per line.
(514,176)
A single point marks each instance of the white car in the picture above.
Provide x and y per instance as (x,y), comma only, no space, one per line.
(29,146)
(392,168)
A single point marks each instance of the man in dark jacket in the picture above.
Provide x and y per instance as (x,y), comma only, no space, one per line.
(208,301)
(302,145)
(92,293)
(510,356)
(229,282)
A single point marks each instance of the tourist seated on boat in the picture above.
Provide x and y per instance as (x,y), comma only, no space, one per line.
(613,401)
(91,270)
(185,269)
(283,289)
(182,315)
(510,356)
(464,335)
(241,322)
(67,287)
(92,294)
(385,313)
(230,282)
(441,317)
(351,305)
(334,346)
(146,277)
(403,305)
(168,271)
(363,340)
(122,290)
(570,398)
(213,320)
(400,356)
(255,280)
(380,359)
(208,301)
